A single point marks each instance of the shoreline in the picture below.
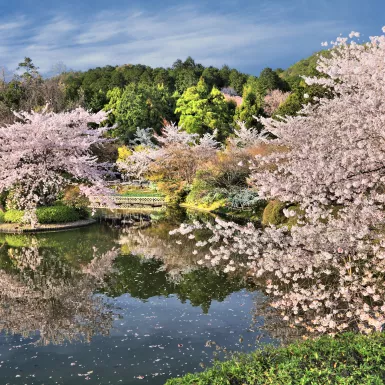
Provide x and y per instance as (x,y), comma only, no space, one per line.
(11,228)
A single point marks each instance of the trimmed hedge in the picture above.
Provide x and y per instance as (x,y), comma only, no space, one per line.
(13,216)
(346,359)
(57,214)
(50,214)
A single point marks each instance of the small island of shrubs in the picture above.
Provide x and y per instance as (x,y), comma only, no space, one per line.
(49,214)
(70,207)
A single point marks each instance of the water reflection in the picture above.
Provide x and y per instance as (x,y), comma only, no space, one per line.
(41,294)
(146,278)
(134,296)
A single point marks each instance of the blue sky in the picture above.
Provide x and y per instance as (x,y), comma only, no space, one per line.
(247,35)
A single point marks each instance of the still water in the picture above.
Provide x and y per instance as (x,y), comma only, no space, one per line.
(112,305)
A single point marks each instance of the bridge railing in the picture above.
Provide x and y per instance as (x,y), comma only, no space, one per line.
(101,201)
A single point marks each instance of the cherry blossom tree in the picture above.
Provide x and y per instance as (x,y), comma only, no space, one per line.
(43,152)
(273,100)
(177,155)
(326,273)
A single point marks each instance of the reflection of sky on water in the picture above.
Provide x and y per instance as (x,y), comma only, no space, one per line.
(157,339)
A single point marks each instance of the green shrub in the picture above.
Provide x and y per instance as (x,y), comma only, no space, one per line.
(2,217)
(57,214)
(345,359)
(273,213)
(13,216)
(50,214)
(204,196)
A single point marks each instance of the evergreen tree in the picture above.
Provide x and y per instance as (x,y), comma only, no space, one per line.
(202,111)
(251,105)
(237,80)
(140,106)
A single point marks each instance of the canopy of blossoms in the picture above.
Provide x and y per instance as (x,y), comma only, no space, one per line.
(43,152)
(172,142)
(326,273)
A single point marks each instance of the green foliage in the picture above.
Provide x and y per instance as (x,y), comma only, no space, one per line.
(186,74)
(199,189)
(202,110)
(30,70)
(292,221)
(212,77)
(246,215)
(2,214)
(251,106)
(145,278)
(58,214)
(270,80)
(237,80)
(291,105)
(273,213)
(49,214)
(139,106)
(204,196)
(224,73)
(242,198)
(13,216)
(304,67)
(254,92)
(293,77)
(297,99)
(347,359)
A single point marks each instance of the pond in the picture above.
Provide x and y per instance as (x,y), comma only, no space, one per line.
(112,305)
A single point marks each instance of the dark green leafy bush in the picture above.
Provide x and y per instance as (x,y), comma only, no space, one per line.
(50,214)
(349,359)
(57,214)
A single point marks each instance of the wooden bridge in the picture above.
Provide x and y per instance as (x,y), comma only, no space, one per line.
(125,202)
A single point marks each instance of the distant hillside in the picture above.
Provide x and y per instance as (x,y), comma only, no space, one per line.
(305,67)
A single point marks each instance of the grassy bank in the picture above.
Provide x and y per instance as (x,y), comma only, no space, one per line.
(348,359)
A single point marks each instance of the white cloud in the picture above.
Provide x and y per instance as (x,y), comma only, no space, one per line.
(11,26)
(157,40)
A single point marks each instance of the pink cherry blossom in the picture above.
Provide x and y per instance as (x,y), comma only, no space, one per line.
(43,152)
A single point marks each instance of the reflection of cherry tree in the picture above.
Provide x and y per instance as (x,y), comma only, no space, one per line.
(177,254)
(43,294)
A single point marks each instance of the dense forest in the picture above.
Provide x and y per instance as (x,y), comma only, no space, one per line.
(200,99)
